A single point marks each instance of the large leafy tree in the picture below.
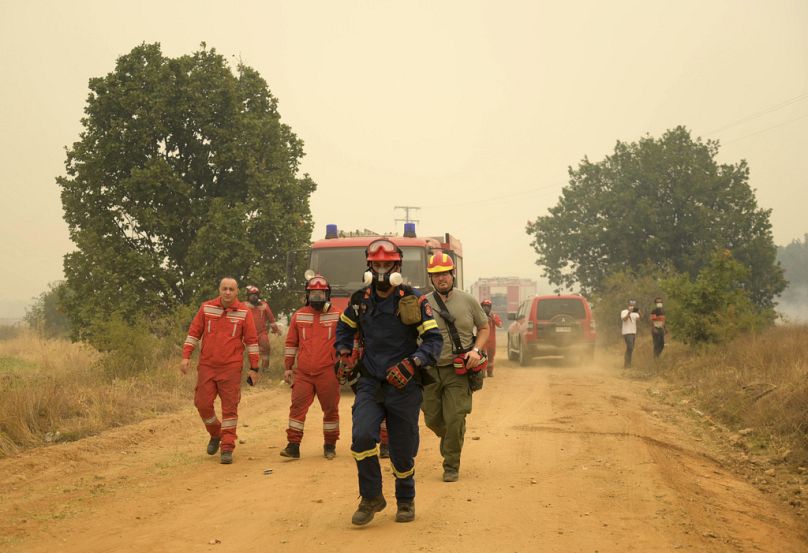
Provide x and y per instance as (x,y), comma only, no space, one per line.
(665,201)
(183,173)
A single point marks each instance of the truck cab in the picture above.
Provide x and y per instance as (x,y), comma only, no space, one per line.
(340,258)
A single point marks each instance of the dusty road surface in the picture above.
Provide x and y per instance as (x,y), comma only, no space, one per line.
(557,459)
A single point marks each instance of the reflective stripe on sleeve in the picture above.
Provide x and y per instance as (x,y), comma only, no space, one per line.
(191,341)
(428,325)
(289,352)
(252,348)
(347,321)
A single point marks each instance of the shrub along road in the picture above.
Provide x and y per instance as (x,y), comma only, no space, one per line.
(566,459)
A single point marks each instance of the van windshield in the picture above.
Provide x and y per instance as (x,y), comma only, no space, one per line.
(550,307)
(344,267)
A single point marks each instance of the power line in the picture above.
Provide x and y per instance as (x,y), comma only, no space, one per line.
(766,129)
(766,111)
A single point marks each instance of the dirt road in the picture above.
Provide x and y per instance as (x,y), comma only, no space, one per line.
(557,459)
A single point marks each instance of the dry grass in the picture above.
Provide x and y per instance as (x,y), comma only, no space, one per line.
(55,390)
(758,382)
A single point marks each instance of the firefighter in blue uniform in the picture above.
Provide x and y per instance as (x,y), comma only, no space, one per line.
(391,320)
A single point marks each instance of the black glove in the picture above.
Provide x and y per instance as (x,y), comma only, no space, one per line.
(401,373)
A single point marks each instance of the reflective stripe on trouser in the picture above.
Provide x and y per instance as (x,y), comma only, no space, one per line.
(264,349)
(325,386)
(447,401)
(401,409)
(226,383)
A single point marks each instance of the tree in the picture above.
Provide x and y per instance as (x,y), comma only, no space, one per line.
(47,315)
(715,306)
(183,173)
(664,201)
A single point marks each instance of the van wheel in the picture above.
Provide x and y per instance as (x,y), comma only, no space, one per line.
(524,358)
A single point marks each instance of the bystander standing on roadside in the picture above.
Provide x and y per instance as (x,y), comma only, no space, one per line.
(629,316)
(658,327)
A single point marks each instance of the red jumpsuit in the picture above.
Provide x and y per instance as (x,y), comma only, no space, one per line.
(494,322)
(263,317)
(224,333)
(310,340)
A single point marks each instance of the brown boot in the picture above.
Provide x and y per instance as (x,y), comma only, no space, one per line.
(368,507)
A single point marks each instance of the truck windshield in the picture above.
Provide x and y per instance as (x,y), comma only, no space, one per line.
(344,267)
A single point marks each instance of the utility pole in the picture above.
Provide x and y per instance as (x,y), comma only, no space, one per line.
(407,209)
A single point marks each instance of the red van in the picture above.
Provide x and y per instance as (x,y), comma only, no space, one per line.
(552,325)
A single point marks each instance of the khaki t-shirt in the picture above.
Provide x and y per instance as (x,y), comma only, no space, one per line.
(468,315)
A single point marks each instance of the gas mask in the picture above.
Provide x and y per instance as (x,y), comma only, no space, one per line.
(383,280)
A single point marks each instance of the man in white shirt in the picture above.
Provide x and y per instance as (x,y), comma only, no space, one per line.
(629,316)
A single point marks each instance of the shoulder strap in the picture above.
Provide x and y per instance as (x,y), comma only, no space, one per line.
(443,311)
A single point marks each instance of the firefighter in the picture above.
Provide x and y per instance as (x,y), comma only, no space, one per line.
(310,341)
(263,317)
(224,326)
(456,375)
(399,336)
(494,322)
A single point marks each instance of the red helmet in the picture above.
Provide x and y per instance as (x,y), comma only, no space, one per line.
(485,302)
(439,262)
(383,250)
(253,290)
(318,282)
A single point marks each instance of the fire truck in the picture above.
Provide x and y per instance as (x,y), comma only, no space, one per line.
(340,258)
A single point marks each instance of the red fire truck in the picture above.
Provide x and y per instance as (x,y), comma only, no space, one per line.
(340,257)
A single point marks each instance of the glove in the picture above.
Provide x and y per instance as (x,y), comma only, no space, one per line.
(288,376)
(344,368)
(400,374)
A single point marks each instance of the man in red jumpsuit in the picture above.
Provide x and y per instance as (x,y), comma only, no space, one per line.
(224,326)
(310,341)
(263,317)
(494,322)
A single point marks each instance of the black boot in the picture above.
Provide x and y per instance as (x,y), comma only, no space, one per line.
(227,458)
(406,511)
(329,451)
(368,507)
(213,446)
(291,450)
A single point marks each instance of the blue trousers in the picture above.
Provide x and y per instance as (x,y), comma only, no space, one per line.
(375,401)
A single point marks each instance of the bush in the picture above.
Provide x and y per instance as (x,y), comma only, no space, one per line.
(713,308)
(643,285)
(46,315)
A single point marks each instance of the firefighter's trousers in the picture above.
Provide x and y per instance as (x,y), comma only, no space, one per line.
(375,401)
(264,349)
(326,387)
(226,383)
(447,401)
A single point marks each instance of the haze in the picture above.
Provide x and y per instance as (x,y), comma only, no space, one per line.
(470,110)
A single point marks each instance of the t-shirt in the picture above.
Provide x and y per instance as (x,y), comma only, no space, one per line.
(658,317)
(468,314)
(630,325)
